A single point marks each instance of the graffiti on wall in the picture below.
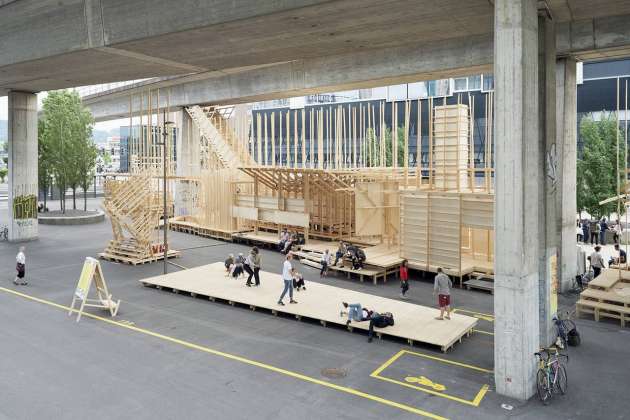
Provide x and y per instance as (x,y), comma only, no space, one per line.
(25,207)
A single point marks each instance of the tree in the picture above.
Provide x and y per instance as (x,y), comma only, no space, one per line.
(597,168)
(372,153)
(87,165)
(65,130)
(3,174)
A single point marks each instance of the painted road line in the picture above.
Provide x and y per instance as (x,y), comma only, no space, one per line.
(479,315)
(237,358)
(475,401)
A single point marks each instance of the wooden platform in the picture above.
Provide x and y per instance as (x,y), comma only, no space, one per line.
(414,323)
(607,296)
(205,232)
(261,238)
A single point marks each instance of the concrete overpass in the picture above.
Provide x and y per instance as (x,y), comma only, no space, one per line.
(259,50)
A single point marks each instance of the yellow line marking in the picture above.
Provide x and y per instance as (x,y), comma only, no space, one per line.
(483,332)
(244,360)
(474,402)
(480,315)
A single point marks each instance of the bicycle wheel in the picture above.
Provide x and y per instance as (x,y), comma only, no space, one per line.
(542,386)
(561,379)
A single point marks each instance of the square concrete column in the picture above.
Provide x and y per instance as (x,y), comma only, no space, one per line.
(548,179)
(566,201)
(188,162)
(516,290)
(23,159)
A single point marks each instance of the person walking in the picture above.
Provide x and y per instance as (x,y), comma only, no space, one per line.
(287,275)
(597,261)
(20,266)
(404,279)
(442,286)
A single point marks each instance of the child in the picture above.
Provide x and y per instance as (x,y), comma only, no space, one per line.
(237,267)
(229,264)
(20,266)
(404,279)
(298,281)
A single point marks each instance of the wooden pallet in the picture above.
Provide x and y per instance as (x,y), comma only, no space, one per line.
(480,284)
(320,302)
(123,259)
(605,304)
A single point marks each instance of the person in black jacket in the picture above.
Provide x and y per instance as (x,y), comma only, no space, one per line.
(379,321)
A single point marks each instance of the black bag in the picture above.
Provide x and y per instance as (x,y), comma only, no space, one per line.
(573,338)
(389,318)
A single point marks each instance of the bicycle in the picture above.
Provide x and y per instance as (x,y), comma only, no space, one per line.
(551,376)
(4,233)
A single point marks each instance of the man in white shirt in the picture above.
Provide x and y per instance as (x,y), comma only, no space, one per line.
(597,261)
(287,276)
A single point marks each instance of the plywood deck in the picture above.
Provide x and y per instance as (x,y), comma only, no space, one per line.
(414,323)
(608,278)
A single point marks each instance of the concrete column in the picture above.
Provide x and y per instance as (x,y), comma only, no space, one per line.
(566,203)
(516,197)
(548,179)
(22,166)
(187,162)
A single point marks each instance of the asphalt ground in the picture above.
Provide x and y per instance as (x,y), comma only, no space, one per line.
(171,356)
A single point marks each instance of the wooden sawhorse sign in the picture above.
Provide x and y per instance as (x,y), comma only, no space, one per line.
(92,272)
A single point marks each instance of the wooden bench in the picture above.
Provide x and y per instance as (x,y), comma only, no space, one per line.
(600,309)
(364,272)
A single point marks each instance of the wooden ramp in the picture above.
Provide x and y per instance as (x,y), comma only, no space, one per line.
(414,323)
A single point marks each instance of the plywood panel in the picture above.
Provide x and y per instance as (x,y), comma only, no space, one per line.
(250,213)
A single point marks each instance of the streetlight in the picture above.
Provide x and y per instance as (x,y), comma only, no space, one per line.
(165,131)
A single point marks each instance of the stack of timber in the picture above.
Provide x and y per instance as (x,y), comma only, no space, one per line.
(134,208)
(450,147)
(607,296)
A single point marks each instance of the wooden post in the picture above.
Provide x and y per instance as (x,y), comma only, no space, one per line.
(273,139)
(303,138)
(419,146)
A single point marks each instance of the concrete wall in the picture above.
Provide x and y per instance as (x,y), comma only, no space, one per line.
(22,166)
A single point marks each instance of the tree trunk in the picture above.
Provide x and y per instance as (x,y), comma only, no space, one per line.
(45,196)
(62,199)
(74,198)
(84,198)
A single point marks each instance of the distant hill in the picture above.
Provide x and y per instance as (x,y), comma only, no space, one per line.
(99,136)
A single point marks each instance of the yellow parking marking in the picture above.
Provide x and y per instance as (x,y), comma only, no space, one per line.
(240,359)
(479,315)
(408,384)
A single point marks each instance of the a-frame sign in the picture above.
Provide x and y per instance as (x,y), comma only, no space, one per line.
(92,273)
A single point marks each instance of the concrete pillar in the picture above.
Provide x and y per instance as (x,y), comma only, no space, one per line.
(548,179)
(566,203)
(22,166)
(516,197)
(187,162)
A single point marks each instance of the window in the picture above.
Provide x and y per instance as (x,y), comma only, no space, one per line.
(488,83)
(418,90)
(439,87)
(461,84)
(464,84)
(474,82)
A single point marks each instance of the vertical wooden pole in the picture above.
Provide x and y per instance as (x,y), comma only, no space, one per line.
(457,142)
(303,138)
(280,138)
(273,139)
(394,134)
(311,140)
(266,140)
(406,151)
(259,138)
(295,138)
(431,179)
(419,146)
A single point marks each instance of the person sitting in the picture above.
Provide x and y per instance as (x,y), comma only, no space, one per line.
(229,262)
(284,237)
(298,281)
(356,255)
(621,259)
(355,312)
(238,269)
(289,243)
(341,251)
(379,321)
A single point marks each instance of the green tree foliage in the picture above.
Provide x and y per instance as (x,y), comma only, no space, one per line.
(372,153)
(3,174)
(65,133)
(597,168)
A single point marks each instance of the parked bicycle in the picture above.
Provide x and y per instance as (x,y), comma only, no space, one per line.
(4,233)
(551,377)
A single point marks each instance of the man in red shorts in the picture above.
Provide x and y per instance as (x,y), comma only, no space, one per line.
(442,286)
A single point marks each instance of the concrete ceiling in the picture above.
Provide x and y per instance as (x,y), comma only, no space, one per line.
(52,44)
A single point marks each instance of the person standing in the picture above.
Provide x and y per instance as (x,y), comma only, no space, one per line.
(325,260)
(287,275)
(603,227)
(20,266)
(617,231)
(257,261)
(585,231)
(404,279)
(442,286)
(249,266)
(595,229)
(597,261)
(579,232)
